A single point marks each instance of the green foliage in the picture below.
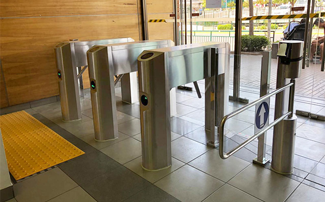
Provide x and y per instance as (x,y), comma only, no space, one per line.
(262,27)
(243,27)
(204,3)
(226,27)
(262,2)
(207,24)
(231,4)
(274,26)
(253,43)
(245,4)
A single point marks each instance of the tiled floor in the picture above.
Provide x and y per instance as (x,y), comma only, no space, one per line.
(111,171)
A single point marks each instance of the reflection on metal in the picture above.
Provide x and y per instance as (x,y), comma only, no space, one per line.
(105,61)
(70,56)
(162,69)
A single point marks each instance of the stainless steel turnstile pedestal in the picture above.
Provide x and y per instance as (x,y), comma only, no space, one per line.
(162,69)
(105,62)
(70,56)
(289,67)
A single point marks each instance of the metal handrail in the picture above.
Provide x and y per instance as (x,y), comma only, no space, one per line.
(240,110)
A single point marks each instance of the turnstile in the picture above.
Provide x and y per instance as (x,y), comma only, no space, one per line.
(70,57)
(162,69)
(104,62)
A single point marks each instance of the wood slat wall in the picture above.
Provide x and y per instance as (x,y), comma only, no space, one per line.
(3,94)
(29,31)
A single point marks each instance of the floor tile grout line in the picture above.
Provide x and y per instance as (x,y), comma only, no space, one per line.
(67,190)
(260,167)
(207,151)
(170,174)
(314,183)
(138,140)
(214,191)
(244,191)
(79,185)
(293,192)
(105,155)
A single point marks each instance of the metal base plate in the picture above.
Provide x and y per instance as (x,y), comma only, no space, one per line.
(185,88)
(213,145)
(241,100)
(263,163)
(310,115)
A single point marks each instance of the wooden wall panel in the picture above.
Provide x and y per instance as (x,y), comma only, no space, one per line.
(29,31)
(27,48)
(85,79)
(38,8)
(158,9)
(160,30)
(158,6)
(3,94)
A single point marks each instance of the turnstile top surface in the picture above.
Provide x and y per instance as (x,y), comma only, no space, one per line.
(138,44)
(79,48)
(190,48)
(186,63)
(101,41)
(122,57)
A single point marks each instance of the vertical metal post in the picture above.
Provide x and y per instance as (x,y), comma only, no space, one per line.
(176,29)
(185,15)
(308,40)
(181,18)
(251,13)
(322,67)
(145,32)
(68,82)
(237,54)
(269,21)
(264,86)
(102,92)
(191,22)
(80,82)
(154,112)
(306,34)
(289,67)
(130,88)
(210,104)
(292,97)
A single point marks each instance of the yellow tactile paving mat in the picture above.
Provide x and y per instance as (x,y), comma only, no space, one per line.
(31,146)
